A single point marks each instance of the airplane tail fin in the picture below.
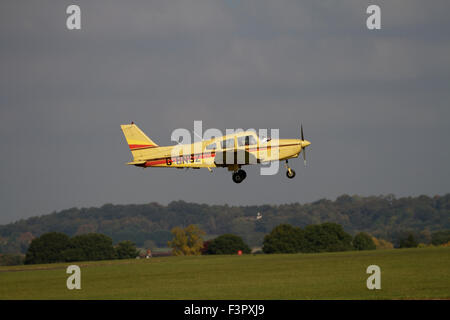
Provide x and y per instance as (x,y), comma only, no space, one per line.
(137,140)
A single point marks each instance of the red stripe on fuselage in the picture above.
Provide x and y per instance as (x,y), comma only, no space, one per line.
(207,155)
(141,146)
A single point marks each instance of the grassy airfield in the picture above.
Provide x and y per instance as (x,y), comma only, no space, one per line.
(405,274)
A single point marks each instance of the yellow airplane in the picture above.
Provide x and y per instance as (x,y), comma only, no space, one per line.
(231,151)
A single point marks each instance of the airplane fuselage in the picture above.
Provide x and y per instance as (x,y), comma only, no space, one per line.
(231,151)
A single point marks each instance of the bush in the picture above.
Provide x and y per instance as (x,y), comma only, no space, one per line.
(326,237)
(227,244)
(284,239)
(74,254)
(440,237)
(408,242)
(382,244)
(363,241)
(91,246)
(126,250)
(47,248)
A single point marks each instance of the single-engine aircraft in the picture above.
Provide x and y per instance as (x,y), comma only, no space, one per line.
(231,151)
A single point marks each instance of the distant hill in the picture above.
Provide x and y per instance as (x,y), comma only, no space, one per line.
(384,217)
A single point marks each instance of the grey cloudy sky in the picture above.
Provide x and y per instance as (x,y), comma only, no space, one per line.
(374,104)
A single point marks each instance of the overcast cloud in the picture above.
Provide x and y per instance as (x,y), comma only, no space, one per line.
(374,104)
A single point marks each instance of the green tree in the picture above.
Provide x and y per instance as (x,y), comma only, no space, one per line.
(187,241)
(408,242)
(227,244)
(47,248)
(363,241)
(440,237)
(326,237)
(126,250)
(284,239)
(91,246)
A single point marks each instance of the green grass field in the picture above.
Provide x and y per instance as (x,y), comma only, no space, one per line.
(405,274)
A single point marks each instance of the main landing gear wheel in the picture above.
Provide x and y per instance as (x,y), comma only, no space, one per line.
(239,176)
(242,173)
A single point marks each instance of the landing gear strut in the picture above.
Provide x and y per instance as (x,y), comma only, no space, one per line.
(289,173)
(239,176)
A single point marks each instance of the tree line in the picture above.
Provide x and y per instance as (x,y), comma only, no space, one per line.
(285,238)
(150,225)
(55,247)
(326,237)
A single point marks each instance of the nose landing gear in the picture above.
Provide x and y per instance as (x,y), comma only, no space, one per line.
(289,173)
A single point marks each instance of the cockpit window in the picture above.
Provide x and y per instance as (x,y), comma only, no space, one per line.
(246,141)
(211,146)
(229,143)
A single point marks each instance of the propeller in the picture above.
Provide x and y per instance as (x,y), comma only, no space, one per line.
(303,147)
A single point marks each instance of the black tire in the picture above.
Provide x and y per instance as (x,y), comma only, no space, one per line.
(242,173)
(237,178)
(290,174)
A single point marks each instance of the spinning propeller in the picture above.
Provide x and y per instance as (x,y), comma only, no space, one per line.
(305,143)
